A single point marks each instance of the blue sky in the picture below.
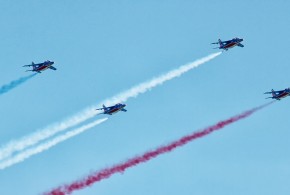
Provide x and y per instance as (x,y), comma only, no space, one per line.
(103,48)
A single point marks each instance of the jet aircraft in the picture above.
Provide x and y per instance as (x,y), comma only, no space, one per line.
(278,95)
(225,45)
(113,109)
(41,66)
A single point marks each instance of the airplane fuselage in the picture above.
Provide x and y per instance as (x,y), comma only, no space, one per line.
(282,95)
(114,110)
(41,68)
(229,45)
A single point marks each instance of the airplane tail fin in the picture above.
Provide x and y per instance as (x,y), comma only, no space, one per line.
(104,107)
(273,92)
(33,66)
(220,42)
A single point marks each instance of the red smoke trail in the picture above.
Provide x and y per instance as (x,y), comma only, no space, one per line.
(121,167)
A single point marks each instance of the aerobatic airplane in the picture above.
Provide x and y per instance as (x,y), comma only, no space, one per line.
(41,66)
(278,95)
(229,44)
(113,109)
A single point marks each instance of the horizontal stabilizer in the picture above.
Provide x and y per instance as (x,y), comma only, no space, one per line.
(104,108)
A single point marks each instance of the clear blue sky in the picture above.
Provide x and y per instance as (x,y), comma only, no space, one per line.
(103,48)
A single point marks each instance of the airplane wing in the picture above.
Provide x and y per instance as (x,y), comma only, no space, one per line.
(52,67)
(240,45)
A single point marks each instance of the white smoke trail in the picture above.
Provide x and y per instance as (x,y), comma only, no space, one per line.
(88,113)
(18,145)
(144,87)
(45,146)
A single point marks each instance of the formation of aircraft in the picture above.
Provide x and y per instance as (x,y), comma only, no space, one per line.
(113,109)
(225,45)
(41,66)
(278,95)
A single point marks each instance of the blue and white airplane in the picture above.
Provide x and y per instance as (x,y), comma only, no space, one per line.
(113,109)
(278,95)
(225,45)
(41,66)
